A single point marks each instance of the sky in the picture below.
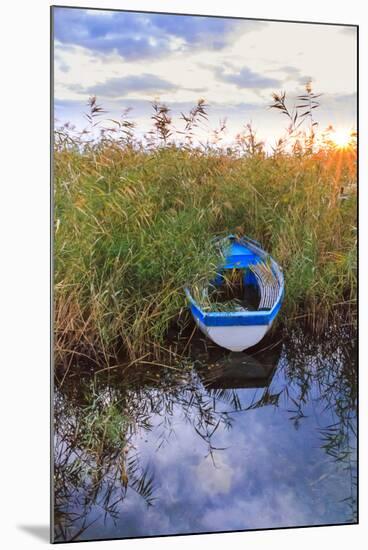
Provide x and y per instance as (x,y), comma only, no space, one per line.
(129,60)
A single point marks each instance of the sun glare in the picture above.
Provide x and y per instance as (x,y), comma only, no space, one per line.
(341,138)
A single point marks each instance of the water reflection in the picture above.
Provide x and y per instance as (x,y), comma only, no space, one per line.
(237,442)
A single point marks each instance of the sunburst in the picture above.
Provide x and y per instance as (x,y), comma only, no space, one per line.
(341,138)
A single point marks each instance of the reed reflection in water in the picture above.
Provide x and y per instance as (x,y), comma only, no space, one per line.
(219,442)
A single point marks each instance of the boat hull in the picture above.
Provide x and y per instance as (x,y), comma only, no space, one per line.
(234,338)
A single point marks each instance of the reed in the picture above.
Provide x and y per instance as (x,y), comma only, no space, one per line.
(134,221)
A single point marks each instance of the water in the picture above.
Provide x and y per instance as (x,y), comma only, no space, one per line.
(236,442)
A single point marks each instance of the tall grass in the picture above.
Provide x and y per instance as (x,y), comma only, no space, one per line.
(134,222)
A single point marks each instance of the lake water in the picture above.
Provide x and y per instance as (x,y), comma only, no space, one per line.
(219,442)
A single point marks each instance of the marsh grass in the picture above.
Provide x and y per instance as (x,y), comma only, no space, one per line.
(134,222)
(231,295)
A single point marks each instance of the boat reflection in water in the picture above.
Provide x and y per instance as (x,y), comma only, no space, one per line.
(241,370)
(237,442)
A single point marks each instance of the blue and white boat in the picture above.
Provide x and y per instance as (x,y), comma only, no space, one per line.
(244,327)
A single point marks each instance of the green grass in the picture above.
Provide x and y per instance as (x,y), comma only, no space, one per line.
(132,227)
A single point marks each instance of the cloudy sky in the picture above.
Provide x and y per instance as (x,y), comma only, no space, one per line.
(129,59)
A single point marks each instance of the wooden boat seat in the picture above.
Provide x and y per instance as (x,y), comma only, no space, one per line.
(268,285)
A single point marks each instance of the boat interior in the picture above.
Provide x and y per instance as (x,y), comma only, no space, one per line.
(246,277)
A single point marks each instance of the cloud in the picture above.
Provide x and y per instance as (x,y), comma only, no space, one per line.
(290,70)
(141,35)
(122,86)
(214,32)
(60,63)
(265,510)
(343,99)
(64,67)
(214,480)
(130,35)
(293,73)
(246,78)
(340,110)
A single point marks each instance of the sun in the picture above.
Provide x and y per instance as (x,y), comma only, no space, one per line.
(341,138)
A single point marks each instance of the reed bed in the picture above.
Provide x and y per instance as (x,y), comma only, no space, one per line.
(134,222)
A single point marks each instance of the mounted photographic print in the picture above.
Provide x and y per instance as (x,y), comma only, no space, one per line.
(204,274)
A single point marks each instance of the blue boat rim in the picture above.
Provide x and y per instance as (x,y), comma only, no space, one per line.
(242,318)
